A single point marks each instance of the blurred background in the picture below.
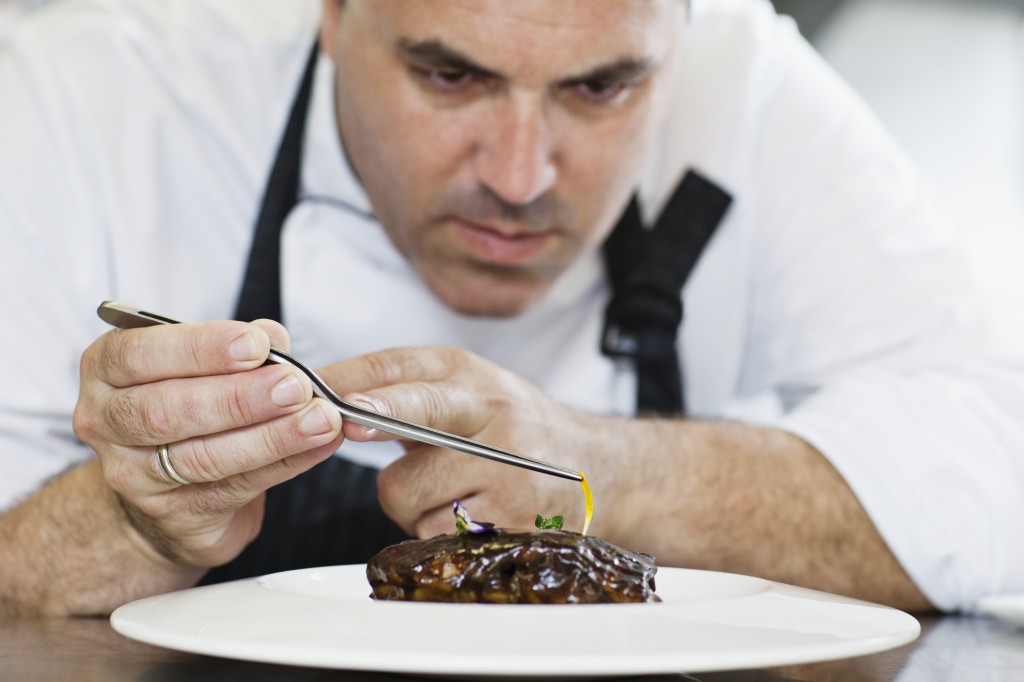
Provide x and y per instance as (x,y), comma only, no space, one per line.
(947,79)
(10,10)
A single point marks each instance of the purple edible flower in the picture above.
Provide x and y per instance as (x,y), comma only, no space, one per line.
(465,525)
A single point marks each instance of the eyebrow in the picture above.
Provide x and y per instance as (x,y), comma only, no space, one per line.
(436,54)
(621,70)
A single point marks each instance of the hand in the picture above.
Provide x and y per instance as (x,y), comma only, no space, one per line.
(455,391)
(234,428)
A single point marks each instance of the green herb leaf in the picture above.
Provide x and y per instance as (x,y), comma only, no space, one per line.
(554,523)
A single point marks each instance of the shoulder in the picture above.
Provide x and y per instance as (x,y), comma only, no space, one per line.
(757,109)
(77,24)
(739,20)
(741,62)
(144,117)
(111,56)
(95,90)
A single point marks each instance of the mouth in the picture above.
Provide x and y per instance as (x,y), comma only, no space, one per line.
(499,246)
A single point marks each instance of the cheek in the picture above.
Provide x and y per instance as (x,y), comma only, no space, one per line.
(405,146)
(393,161)
(600,169)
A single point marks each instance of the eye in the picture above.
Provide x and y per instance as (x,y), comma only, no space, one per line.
(600,92)
(448,80)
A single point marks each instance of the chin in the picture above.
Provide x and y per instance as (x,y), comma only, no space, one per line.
(492,296)
(494,309)
(475,305)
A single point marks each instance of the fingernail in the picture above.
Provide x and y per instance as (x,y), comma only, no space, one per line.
(315,422)
(289,391)
(244,348)
(366,403)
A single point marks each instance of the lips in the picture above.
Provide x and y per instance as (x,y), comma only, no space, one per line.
(491,245)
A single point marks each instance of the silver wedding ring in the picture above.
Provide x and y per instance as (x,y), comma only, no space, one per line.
(163,454)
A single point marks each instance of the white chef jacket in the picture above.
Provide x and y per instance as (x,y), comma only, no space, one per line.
(136,139)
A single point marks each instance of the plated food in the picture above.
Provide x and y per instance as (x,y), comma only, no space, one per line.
(482,564)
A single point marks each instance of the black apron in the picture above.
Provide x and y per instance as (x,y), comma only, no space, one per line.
(330,514)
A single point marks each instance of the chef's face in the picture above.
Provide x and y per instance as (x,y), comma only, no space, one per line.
(498,141)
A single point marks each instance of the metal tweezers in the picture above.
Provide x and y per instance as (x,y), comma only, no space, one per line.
(127,317)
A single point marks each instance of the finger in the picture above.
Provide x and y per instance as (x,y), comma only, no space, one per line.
(284,469)
(128,357)
(177,409)
(239,490)
(428,478)
(503,505)
(276,332)
(396,366)
(439,520)
(209,524)
(482,508)
(416,488)
(227,454)
(455,408)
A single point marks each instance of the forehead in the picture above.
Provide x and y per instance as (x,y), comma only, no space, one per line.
(529,36)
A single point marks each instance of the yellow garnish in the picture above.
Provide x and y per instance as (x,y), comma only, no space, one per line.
(590,502)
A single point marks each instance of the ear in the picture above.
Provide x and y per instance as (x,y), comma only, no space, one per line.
(329,26)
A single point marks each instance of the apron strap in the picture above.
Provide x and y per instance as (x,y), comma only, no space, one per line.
(261,288)
(647,269)
(330,514)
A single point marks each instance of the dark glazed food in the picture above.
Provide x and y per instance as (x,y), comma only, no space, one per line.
(506,567)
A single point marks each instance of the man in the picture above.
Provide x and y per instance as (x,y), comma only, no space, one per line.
(459,166)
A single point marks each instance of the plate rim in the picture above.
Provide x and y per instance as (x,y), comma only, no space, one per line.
(125,620)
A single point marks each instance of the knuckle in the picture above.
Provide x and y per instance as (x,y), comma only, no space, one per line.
(194,351)
(153,413)
(88,360)
(383,367)
(274,441)
(497,402)
(121,417)
(118,475)
(428,362)
(291,466)
(203,466)
(190,410)
(85,422)
(456,358)
(126,355)
(236,406)
(432,403)
(216,498)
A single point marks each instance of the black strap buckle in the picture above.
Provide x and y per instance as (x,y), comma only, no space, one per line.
(640,307)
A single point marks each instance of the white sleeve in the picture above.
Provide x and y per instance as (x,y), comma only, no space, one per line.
(42,333)
(134,141)
(864,320)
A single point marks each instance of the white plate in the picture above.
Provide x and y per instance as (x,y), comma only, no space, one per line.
(1009,607)
(324,617)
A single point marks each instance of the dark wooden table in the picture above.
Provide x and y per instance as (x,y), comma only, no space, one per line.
(950,648)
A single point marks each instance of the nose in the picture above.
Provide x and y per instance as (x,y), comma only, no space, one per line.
(515,156)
